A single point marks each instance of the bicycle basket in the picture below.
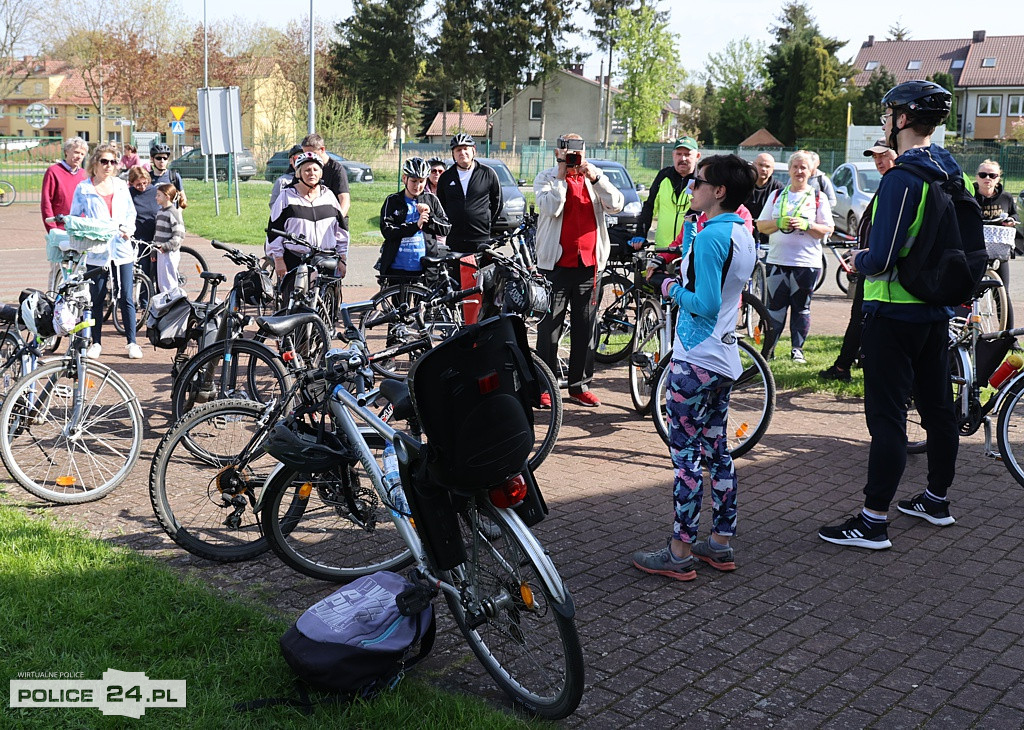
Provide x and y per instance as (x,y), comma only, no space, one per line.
(529,297)
(37,312)
(474,396)
(87,234)
(254,287)
(999,241)
(67,310)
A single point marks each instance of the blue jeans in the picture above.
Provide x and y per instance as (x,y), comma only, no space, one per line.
(125,301)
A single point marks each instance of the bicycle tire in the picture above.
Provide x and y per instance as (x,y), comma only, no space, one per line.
(616,318)
(993,305)
(190,266)
(523,634)
(845,280)
(751,403)
(646,356)
(754,322)
(204,503)
(13,367)
(1010,429)
(823,273)
(381,336)
(236,368)
(917,437)
(547,423)
(759,281)
(142,291)
(91,461)
(331,526)
(7,194)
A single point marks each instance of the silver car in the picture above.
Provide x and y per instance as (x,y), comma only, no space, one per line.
(855,184)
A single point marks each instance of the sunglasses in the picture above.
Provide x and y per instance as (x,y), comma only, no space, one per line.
(992,175)
(108,162)
(160,157)
(698,181)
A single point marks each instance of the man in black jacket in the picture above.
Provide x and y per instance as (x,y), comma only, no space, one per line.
(471,196)
(335,177)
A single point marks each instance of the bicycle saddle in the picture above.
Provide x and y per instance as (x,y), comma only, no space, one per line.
(397,391)
(280,325)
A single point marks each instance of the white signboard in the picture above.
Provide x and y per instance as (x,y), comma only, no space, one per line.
(220,120)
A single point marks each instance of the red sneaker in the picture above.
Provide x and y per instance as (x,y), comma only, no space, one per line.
(586,398)
(545,401)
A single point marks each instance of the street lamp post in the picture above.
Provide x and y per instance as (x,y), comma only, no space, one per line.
(311,126)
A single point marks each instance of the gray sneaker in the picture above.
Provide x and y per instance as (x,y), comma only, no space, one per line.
(662,562)
(718,559)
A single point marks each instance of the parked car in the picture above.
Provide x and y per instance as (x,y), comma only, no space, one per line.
(623,225)
(855,184)
(277,165)
(515,202)
(192,165)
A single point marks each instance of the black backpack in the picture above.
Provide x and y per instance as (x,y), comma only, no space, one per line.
(946,261)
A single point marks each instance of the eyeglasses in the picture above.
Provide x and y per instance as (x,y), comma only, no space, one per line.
(108,162)
(698,181)
(438,171)
(160,157)
(885,116)
(992,175)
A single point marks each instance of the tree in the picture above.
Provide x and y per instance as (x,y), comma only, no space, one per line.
(17,28)
(867,106)
(554,18)
(650,71)
(379,55)
(738,73)
(509,32)
(897,32)
(457,52)
(945,80)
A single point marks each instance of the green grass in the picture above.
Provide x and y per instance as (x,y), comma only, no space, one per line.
(75,604)
(821,352)
(254,198)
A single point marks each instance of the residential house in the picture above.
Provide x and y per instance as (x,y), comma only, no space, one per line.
(446,124)
(988,76)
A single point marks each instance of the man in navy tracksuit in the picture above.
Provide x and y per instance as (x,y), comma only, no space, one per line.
(471,196)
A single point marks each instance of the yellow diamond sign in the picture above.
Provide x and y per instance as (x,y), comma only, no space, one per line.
(178,112)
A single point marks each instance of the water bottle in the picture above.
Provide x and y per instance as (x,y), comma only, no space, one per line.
(1010,367)
(393,481)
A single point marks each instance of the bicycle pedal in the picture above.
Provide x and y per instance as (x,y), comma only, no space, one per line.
(413,601)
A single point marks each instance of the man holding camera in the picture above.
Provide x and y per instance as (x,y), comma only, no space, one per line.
(572,249)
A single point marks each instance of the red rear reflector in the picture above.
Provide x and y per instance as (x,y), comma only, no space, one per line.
(488,382)
(510,493)
(288,356)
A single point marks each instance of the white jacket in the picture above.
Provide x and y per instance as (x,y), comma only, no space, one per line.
(550,199)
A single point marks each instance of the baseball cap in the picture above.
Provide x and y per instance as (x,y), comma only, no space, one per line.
(685,142)
(879,147)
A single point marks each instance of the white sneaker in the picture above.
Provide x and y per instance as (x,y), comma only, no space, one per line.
(134,351)
(798,356)
(94,351)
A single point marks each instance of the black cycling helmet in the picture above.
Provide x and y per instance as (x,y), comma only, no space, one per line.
(434,161)
(416,167)
(300,446)
(462,139)
(924,101)
(159,149)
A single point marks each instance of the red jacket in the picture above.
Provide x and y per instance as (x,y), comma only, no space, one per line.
(59,185)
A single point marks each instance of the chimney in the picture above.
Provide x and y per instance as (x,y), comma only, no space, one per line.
(870,42)
(979,36)
(576,68)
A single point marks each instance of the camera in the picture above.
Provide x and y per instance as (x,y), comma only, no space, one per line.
(573,159)
(574,153)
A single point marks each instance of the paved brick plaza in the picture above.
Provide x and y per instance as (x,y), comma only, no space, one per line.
(803,634)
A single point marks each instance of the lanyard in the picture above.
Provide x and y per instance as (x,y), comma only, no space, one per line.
(799,204)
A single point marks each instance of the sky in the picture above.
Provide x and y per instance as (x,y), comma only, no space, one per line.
(702,27)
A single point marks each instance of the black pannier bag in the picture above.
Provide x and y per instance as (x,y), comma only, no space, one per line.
(169,321)
(474,396)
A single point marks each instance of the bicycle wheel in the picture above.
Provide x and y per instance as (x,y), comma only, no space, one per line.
(759,281)
(845,280)
(142,291)
(547,422)
(12,366)
(647,354)
(516,613)
(235,368)
(7,193)
(190,266)
(823,273)
(384,336)
(993,306)
(64,459)
(331,525)
(754,323)
(616,318)
(751,403)
(204,499)
(917,437)
(1010,430)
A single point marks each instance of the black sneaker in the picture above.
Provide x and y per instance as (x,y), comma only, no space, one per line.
(835,373)
(856,533)
(935,512)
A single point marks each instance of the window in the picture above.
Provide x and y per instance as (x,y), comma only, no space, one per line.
(39,87)
(1015,106)
(989,62)
(990,106)
(535,109)
(913,65)
(53,111)
(82,113)
(957,63)
(871,65)
(83,133)
(17,89)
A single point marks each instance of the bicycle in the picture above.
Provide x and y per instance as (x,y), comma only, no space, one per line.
(18,355)
(71,429)
(475,546)
(7,193)
(840,247)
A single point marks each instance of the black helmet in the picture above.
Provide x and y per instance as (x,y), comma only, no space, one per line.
(926,100)
(416,167)
(159,149)
(434,161)
(300,446)
(462,139)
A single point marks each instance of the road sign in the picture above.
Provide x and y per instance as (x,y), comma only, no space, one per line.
(124,122)
(37,115)
(178,127)
(178,112)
